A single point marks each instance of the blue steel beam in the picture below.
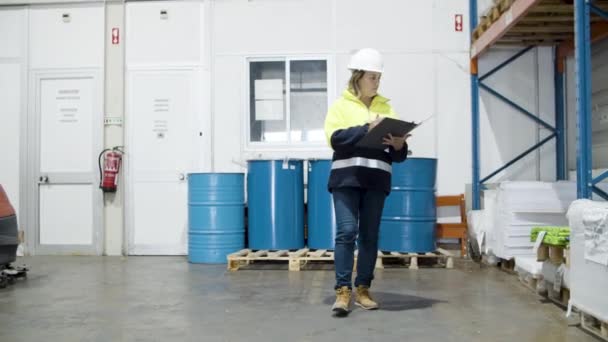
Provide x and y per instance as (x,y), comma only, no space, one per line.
(514,160)
(560,127)
(505,63)
(474,115)
(583,89)
(599,11)
(600,192)
(475,141)
(518,107)
(600,178)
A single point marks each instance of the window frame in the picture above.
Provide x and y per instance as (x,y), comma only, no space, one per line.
(249,145)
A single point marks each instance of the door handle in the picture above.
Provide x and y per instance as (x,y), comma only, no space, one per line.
(44,179)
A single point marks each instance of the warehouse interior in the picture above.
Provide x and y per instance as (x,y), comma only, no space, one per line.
(165,165)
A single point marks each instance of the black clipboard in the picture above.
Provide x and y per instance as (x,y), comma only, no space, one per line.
(373,138)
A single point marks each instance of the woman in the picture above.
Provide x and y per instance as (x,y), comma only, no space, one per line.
(360,178)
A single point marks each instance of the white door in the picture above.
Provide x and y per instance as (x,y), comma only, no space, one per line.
(162,144)
(67,127)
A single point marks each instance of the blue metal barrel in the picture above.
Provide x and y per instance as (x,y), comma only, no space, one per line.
(216,216)
(321,215)
(410,211)
(275,199)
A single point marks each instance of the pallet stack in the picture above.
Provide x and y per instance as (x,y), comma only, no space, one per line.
(514,208)
(588,264)
(553,253)
(490,16)
(548,273)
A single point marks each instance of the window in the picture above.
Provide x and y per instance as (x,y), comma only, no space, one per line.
(287,115)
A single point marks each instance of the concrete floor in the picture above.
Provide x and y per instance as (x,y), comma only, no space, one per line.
(167,299)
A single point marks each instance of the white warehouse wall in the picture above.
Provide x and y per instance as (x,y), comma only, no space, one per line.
(505,132)
(114,108)
(78,45)
(426,72)
(179,42)
(452,90)
(13,86)
(412,58)
(599,90)
(453,108)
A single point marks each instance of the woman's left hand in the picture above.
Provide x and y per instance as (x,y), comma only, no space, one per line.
(396,142)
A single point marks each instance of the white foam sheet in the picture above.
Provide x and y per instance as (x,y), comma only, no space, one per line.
(476,227)
(537,197)
(588,279)
(529,265)
(475,223)
(487,225)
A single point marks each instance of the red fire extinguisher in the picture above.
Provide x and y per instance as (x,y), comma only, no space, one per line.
(111,166)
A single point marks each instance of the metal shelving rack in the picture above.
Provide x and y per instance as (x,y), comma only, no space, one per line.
(567,26)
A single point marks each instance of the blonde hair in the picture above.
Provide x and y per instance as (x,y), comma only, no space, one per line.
(353,83)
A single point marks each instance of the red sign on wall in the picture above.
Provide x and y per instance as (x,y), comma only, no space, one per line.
(458,22)
(115,36)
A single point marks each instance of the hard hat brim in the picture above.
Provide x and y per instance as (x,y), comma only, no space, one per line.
(367,69)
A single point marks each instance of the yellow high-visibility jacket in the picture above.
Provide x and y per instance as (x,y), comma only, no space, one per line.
(346,123)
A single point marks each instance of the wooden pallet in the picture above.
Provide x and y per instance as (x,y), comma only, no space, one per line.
(320,255)
(593,325)
(491,16)
(556,254)
(441,257)
(547,291)
(247,256)
(531,282)
(561,297)
(295,259)
(298,259)
(507,265)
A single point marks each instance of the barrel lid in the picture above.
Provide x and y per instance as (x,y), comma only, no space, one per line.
(275,159)
(216,173)
(420,158)
(430,219)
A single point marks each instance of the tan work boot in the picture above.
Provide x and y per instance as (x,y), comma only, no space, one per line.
(342,304)
(363,299)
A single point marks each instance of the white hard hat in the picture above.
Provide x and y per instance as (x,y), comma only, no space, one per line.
(366,59)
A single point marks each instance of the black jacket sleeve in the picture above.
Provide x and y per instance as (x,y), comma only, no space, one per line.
(345,139)
(398,156)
